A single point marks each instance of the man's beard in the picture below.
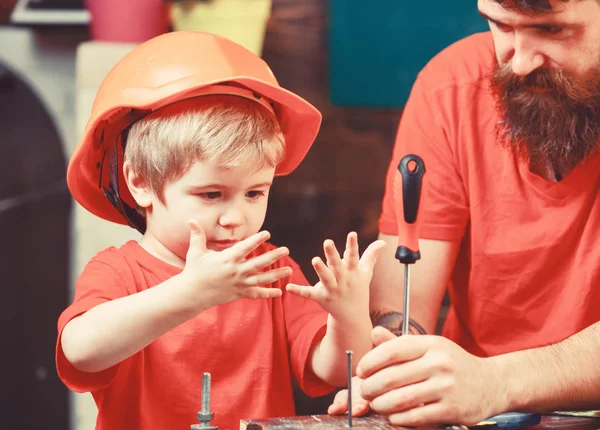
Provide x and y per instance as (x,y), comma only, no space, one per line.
(557,124)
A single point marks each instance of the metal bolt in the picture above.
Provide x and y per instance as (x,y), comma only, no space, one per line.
(206,393)
(205,415)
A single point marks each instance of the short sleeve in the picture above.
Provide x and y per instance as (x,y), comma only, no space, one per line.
(98,283)
(424,131)
(306,325)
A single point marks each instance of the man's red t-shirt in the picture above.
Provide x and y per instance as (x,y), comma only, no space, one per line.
(251,348)
(528,272)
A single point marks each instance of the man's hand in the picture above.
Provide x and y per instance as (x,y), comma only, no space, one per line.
(428,380)
(340,403)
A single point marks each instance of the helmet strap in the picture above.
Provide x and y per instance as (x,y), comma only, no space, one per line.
(132,216)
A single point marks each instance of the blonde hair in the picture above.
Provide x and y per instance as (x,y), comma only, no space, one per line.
(223,129)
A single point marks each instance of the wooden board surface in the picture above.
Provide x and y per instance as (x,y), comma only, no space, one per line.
(376,422)
(327,422)
(571,423)
(318,422)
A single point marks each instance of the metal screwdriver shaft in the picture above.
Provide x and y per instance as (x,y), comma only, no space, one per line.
(349,355)
(406,320)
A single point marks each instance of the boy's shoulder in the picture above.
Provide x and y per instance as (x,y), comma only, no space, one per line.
(127,262)
(129,267)
(117,254)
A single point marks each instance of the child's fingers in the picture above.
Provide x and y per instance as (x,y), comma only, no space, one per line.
(351,255)
(334,261)
(241,249)
(339,406)
(307,292)
(269,277)
(262,293)
(358,409)
(325,275)
(371,254)
(259,262)
(197,245)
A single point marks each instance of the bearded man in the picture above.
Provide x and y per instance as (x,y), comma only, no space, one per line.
(508,125)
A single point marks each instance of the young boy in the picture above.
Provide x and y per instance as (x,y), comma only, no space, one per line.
(185,137)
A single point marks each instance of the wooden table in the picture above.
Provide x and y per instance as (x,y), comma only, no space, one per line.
(377,422)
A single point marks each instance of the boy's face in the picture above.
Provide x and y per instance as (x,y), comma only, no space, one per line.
(230,205)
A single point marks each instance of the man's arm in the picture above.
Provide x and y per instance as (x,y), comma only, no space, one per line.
(429,278)
(564,375)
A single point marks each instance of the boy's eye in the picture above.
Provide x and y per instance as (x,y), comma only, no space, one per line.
(255,194)
(211,195)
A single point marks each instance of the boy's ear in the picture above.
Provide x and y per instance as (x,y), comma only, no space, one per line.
(137,187)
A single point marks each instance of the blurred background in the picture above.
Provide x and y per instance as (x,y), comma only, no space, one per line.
(354,60)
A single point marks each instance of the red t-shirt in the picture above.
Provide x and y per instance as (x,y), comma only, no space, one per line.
(251,348)
(528,272)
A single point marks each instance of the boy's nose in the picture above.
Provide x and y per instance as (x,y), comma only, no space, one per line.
(232,217)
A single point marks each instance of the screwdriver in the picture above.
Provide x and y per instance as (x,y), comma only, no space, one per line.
(408,186)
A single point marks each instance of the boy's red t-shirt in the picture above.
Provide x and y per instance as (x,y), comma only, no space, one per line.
(252,348)
(528,272)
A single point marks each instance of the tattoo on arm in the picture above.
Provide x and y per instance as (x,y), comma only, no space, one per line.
(393,322)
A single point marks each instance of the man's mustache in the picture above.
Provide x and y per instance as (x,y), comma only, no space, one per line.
(553,82)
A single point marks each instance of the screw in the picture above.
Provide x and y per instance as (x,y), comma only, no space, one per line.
(205,392)
(205,415)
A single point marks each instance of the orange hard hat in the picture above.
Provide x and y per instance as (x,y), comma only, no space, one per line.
(169,68)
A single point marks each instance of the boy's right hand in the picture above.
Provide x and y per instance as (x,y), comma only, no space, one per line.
(214,278)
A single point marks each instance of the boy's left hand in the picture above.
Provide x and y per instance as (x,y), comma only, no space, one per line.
(344,283)
(360,406)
